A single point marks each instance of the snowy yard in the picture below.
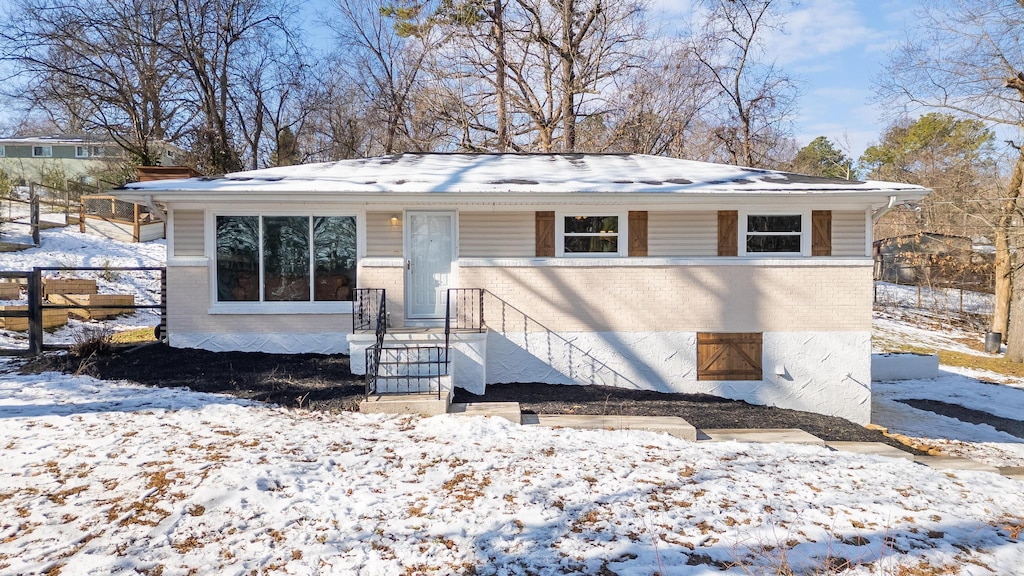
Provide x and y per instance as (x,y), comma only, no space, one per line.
(105,478)
(109,478)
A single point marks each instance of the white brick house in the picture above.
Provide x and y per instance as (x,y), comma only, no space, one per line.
(625,270)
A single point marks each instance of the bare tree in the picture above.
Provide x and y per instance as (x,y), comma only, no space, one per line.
(757,99)
(660,108)
(966,56)
(218,45)
(589,42)
(99,65)
(387,46)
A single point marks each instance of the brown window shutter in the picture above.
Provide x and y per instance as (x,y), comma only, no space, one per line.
(728,221)
(638,233)
(545,234)
(821,233)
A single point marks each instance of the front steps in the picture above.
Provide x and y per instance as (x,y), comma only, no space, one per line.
(422,404)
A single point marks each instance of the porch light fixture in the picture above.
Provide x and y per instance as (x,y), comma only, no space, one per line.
(394,220)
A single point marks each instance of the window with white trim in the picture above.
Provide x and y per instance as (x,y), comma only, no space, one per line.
(42,151)
(3,151)
(777,234)
(81,151)
(285,258)
(98,151)
(603,234)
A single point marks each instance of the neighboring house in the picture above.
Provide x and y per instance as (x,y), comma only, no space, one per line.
(78,158)
(930,258)
(626,270)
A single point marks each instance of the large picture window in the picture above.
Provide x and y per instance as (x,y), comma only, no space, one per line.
(285,258)
(601,235)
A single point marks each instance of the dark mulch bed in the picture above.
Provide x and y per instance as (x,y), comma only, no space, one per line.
(321,382)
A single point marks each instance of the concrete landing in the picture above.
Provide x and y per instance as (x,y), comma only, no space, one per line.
(670,425)
(876,448)
(422,404)
(507,410)
(766,435)
(952,463)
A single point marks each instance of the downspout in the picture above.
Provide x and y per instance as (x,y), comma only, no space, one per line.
(155,210)
(877,214)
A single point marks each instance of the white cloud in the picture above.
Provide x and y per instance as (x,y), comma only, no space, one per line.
(820,28)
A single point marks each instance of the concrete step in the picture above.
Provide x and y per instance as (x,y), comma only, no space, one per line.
(671,425)
(507,410)
(876,448)
(763,435)
(422,404)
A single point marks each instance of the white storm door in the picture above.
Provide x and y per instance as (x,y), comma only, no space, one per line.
(430,252)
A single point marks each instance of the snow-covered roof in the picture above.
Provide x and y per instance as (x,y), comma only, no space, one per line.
(515,174)
(56,139)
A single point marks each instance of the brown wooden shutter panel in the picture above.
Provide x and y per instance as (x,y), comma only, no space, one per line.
(729,356)
(728,221)
(545,234)
(638,233)
(821,233)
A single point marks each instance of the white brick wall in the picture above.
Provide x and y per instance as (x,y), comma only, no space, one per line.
(684,298)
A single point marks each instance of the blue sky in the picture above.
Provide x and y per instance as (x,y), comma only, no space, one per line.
(835,48)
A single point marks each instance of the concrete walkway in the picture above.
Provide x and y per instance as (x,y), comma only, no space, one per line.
(680,428)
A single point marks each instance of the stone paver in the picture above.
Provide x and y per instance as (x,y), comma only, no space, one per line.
(951,463)
(1016,472)
(766,435)
(507,410)
(876,448)
(671,425)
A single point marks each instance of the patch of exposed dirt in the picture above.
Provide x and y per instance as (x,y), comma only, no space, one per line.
(321,382)
(1008,425)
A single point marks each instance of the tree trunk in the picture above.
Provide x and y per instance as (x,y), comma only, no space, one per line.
(1015,336)
(499,79)
(568,79)
(1001,271)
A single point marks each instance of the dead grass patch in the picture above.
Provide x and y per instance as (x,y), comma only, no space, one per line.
(62,496)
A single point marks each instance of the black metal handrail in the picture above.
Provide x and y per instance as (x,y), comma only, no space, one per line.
(468,311)
(381,321)
(367,306)
(409,369)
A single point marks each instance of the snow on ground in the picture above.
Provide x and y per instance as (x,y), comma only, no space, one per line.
(899,324)
(69,248)
(975,389)
(109,478)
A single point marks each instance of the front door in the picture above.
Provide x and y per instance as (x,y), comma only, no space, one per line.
(430,251)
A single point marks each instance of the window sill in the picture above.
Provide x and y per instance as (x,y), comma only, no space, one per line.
(834,261)
(288,308)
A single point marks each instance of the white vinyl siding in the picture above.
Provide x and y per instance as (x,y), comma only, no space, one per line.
(496,234)
(188,232)
(382,237)
(848,231)
(682,234)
